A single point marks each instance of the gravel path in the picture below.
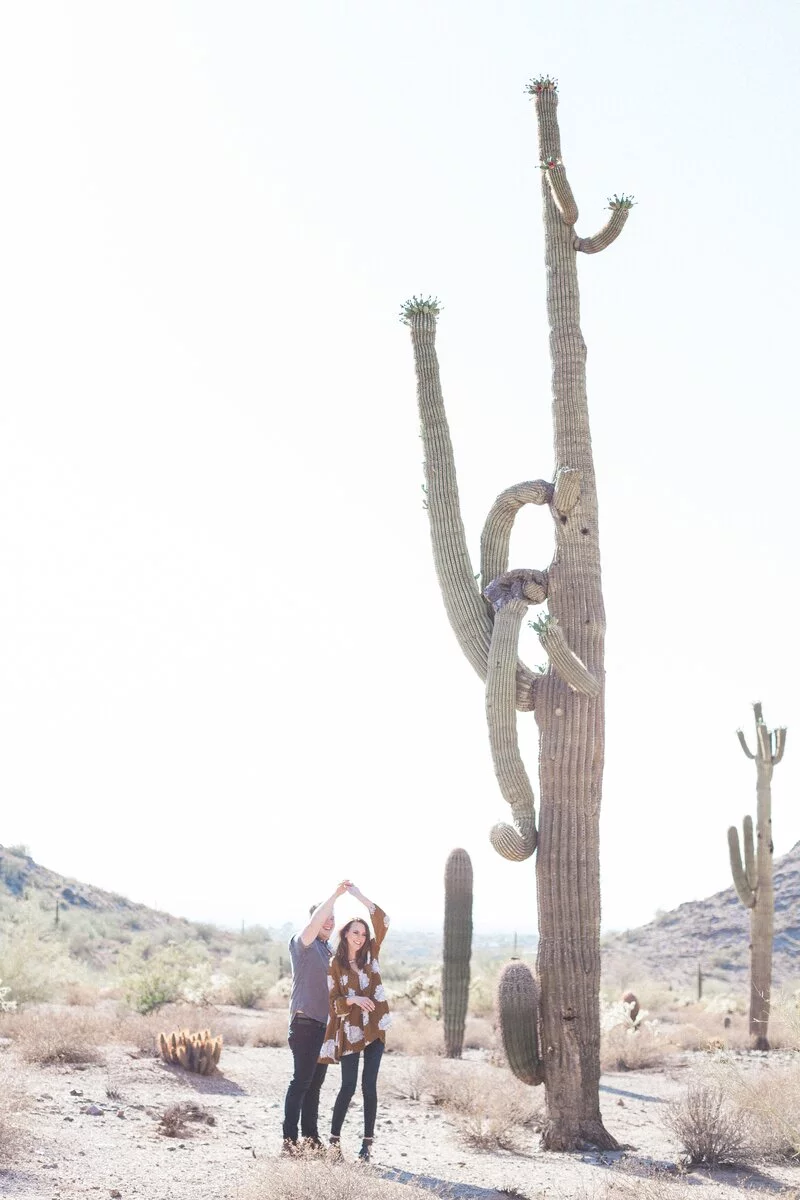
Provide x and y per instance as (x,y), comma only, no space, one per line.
(94,1131)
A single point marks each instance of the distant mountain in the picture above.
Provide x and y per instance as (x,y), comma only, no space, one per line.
(714,933)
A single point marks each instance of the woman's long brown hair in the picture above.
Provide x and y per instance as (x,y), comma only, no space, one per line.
(342,957)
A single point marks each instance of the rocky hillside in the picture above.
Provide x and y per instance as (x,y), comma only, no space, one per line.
(22,878)
(713,933)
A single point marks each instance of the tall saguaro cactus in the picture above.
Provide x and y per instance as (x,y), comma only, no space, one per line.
(753,879)
(567,699)
(457,949)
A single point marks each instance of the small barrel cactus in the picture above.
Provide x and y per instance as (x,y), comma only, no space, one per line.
(518,998)
(457,949)
(197,1052)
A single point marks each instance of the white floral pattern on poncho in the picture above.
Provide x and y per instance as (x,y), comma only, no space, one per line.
(350,1029)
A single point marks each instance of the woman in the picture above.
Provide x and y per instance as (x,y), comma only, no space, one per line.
(359,1017)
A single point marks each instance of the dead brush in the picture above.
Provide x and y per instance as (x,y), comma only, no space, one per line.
(52,1037)
(174,1120)
(420,1078)
(627,1047)
(308,1177)
(271,1029)
(197,1052)
(490,1109)
(416,1034)
(12,1107)
(711,1130)
(768,1101)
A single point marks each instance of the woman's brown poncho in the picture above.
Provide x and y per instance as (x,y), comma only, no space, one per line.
(349,1029)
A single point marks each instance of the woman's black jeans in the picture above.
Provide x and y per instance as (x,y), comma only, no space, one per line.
(369,1088)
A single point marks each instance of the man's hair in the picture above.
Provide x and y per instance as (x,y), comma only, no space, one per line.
(313,909)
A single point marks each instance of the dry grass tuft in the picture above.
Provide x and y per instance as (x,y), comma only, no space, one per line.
(12,1106)
(490,1107)
(311,1177)
(768,1101)
(710,1128)
(58,1036)
(271,1029)
(174,1120)
(625,1048)
(414,1033)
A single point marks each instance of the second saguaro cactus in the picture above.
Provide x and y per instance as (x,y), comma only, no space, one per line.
(567,699)
(753,878)
(457,949)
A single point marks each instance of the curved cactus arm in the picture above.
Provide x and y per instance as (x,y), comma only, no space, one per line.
(466,612)
(561,191)
(764,743)
(565,663)
(780,743)
(566,490)
(518,1003)
(544,90)
(743,743)
(743,889)
(496,534)
(750,869)
(468,617)
(495,540)
(509,596)
(620,210)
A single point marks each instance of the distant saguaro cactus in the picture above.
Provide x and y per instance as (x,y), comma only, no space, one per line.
(457,949)
(753,879)
(567,699)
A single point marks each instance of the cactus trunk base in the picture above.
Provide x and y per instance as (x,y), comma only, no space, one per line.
(565,1132)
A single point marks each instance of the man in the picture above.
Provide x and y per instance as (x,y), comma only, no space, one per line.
(308,1017)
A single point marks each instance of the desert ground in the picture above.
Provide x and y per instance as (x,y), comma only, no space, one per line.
(89,1110)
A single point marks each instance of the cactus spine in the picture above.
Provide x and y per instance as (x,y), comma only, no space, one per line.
(457,949)
(197,1052)
(753,879)
(567,700)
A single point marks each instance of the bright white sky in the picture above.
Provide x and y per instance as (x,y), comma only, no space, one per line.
(226,678)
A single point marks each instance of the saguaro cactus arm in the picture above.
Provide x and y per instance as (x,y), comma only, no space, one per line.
(565,663)
(518,998)
(779,737)
(496,534)
(510,596)
(743,743)
(544,88)
(743,876)
(620,208)
(468,615)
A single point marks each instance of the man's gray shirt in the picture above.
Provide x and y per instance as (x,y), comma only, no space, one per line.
(309,978)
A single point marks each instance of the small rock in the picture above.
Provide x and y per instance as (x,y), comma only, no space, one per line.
(91,1110)
(403,1154)
(75,1092)
(621,1102)
(115,1194)
(69,1118)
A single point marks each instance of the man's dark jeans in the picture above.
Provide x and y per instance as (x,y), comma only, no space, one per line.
(302,1099)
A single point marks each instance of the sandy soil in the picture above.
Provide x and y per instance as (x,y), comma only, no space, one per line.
(94,1131)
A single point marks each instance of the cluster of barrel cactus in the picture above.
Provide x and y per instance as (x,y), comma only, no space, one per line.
(457,949)
(197,1052)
